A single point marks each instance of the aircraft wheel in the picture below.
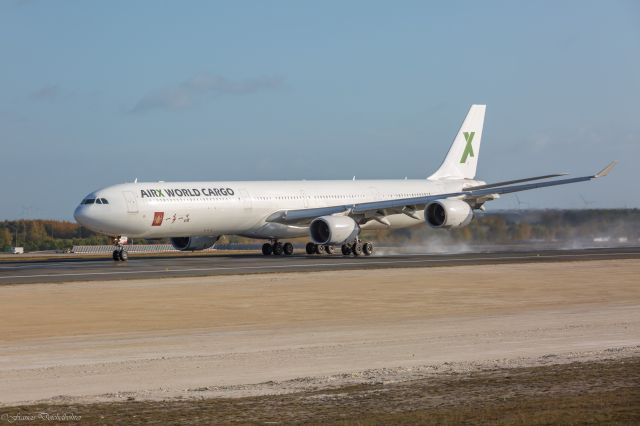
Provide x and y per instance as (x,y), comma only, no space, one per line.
(319,249)
(346,250)
(311,248)
(278,249)
(357,249)
(288,249)
(267,249)
(116,255)
(123,255)
(329,249)
(367,248)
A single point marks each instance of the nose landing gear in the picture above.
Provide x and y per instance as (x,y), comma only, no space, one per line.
(119,254)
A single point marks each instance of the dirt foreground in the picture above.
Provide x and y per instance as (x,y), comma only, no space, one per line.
(231,336)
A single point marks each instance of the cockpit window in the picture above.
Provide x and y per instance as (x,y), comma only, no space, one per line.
(95,201)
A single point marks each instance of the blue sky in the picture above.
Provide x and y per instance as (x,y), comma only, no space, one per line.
(98,93)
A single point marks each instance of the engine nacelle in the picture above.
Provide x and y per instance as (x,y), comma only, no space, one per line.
(193,243)
(448,214)
(333,229)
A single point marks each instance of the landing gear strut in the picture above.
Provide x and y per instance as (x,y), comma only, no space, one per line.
(277,248)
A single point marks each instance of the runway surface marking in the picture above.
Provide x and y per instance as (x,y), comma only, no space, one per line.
(364,262)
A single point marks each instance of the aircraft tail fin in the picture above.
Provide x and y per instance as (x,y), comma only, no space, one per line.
(462,159)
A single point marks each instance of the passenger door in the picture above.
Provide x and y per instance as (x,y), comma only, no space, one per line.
(132,204)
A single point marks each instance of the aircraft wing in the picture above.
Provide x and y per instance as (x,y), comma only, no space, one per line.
(511,182)
(410,205)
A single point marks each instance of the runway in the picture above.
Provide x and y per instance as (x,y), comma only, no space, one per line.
(83,269)
(229,336)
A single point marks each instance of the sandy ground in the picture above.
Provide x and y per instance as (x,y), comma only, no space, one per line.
(256,334)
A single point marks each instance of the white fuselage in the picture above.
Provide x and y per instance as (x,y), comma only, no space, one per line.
(186,209)
(330,212)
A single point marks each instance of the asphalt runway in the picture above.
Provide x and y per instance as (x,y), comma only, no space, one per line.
(92,269)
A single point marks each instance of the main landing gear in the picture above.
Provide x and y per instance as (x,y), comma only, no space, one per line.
(277,248)
(357,248)
(120,254)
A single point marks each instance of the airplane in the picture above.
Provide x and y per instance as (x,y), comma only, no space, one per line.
(332,213)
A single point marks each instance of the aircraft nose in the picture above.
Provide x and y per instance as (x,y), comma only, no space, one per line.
(80,215)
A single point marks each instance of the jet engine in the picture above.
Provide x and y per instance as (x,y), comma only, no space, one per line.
(193,243)
(333,230)
(448,214)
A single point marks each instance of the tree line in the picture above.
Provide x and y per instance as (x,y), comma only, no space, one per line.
(46,235)
(38,234)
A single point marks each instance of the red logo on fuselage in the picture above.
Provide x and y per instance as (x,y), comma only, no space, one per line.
(158,217)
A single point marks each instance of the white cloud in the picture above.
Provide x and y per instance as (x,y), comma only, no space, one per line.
(201,88)
(51,92)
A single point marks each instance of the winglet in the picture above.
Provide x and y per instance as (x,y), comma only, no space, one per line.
(606,170)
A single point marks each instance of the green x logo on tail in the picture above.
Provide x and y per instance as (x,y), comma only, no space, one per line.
(468,149)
